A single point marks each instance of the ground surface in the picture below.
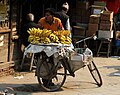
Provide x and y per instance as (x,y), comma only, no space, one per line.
(81,84)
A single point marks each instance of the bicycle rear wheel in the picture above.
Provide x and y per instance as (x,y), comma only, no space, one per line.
(95,73)
(55,79)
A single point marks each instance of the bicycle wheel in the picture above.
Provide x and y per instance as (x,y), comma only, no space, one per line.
(95,73)
(54,75)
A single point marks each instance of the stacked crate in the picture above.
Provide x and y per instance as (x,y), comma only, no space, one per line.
(93,25)
(79,19)
(94,18)
(106,24)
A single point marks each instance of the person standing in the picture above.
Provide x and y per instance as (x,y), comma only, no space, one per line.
(62,15)
(29,24)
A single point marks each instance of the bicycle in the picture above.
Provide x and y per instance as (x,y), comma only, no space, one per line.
(48,69)
(58,65)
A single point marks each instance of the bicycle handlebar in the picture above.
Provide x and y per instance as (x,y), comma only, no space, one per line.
(94,37)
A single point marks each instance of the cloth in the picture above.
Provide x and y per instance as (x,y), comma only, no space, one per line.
(112,5)
(49,49)
(56,25)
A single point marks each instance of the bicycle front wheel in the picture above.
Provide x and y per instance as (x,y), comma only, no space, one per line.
(95,73)
(54,80)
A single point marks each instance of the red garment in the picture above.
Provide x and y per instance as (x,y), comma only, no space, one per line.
(112,5)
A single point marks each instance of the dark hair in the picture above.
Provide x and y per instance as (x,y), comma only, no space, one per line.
(50,10)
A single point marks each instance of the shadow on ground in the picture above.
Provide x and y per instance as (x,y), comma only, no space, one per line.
(80,85)
(116,73)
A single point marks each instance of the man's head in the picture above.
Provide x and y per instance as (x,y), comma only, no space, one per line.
(49,14)
(65,7)
(30,17)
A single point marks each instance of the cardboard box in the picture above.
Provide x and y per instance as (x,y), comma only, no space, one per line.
(105,34)
(106,15)
(78,31)
(92,27)
(90,33)
(95,19)
(104,26)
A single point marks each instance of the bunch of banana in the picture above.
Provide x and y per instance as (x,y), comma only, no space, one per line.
(53,38)
(39,32)
(47,40)
(45,33)
(46,36)
(30,38)
(62,38)
(66,33)
(32,31)
(65,40)
(34,39)
(58,33)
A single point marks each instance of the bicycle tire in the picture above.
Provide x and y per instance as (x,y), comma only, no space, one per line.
(97,77)
(58,83)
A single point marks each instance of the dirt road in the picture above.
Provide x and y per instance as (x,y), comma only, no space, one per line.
(81,84)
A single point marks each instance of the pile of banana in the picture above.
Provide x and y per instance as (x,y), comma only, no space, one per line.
(47,36)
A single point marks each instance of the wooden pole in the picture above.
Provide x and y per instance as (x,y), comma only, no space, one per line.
(10,27)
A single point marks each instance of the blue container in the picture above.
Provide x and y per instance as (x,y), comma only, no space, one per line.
(117,43)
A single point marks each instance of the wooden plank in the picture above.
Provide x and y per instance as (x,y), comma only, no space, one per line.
(5,31)
(7,64)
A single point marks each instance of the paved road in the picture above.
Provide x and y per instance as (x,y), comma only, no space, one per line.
(81,84)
